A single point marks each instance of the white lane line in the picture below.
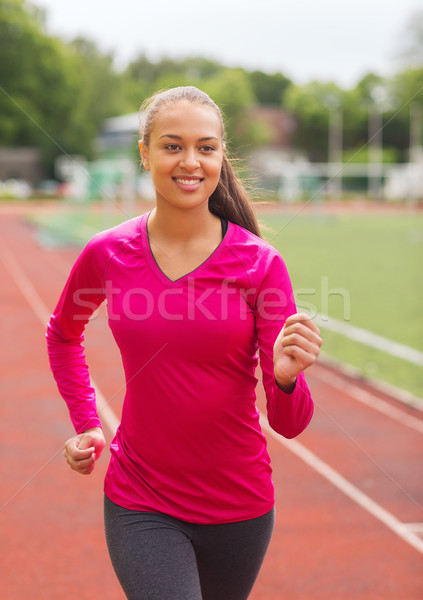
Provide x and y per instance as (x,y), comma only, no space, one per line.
(346,487)
(41,311)
(370,400)
(25,286)
(371,339)
(416,527)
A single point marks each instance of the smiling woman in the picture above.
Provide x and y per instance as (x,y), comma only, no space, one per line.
(193,292)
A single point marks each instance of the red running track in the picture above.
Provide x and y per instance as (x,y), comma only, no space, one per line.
(349,489)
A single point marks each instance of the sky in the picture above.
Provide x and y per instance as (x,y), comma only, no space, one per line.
(327,40)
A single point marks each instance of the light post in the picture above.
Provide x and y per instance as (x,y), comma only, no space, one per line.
(414,170)
(375,144)
(416,129)
(335,141)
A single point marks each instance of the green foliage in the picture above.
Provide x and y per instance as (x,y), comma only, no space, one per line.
(36,88)
(404,92)
(361,155)
(55,95)
(269,89)
(392,97)
(311,104)
(99,90)
(368,88)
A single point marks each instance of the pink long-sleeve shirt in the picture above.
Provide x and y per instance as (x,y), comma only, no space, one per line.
(189,443)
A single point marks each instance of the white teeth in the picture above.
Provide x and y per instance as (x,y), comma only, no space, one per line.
(188,181)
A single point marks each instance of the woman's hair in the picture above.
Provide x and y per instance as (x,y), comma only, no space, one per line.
(230,198)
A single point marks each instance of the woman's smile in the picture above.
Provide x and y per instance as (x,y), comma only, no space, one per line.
(188,184)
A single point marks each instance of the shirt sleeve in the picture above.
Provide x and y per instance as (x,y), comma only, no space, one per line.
(81,296)
(288,414)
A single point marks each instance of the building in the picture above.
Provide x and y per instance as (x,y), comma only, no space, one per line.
(23,164)
(118,137)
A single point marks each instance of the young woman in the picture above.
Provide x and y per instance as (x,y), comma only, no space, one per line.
(193,293)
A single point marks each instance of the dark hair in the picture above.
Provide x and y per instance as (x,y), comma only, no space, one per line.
(230,199)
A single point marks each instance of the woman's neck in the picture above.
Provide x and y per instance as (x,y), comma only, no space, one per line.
(183,226)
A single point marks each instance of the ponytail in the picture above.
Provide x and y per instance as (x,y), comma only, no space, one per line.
(230,200)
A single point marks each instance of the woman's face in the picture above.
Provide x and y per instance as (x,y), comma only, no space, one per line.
(185,154)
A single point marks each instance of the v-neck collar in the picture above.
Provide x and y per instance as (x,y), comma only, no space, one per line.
(157,270)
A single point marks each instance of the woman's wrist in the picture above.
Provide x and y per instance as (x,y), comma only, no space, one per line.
(93,429)
(285,383)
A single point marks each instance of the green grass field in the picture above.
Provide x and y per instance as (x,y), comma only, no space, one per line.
(366,270)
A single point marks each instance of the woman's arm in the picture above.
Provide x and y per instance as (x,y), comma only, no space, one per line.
(288,344)
(82,294)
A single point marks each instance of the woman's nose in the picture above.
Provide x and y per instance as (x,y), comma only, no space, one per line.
(189,161)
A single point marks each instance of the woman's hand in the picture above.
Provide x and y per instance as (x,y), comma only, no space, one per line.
(82,450)
(296,348)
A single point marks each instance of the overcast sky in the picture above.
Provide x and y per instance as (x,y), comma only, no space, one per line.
(304,39)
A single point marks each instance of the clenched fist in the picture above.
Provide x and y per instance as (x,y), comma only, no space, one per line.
(296,348)
(82,450)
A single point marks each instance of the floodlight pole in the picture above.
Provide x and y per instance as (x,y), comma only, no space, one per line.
(416,128)
(335,150)
(375,166)
(378,97)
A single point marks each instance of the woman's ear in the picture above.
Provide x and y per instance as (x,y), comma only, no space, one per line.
(144,155)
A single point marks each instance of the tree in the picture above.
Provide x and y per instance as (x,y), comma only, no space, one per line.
(394,97)
(36,85)
(311,104)
(54,95)
(269,89)
(100,93)
(407,99)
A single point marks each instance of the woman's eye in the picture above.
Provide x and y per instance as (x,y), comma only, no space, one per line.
(172,147)
(207,148)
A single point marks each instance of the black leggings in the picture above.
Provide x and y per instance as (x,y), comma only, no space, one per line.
(157,557)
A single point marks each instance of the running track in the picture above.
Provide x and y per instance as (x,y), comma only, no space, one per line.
(349,490)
